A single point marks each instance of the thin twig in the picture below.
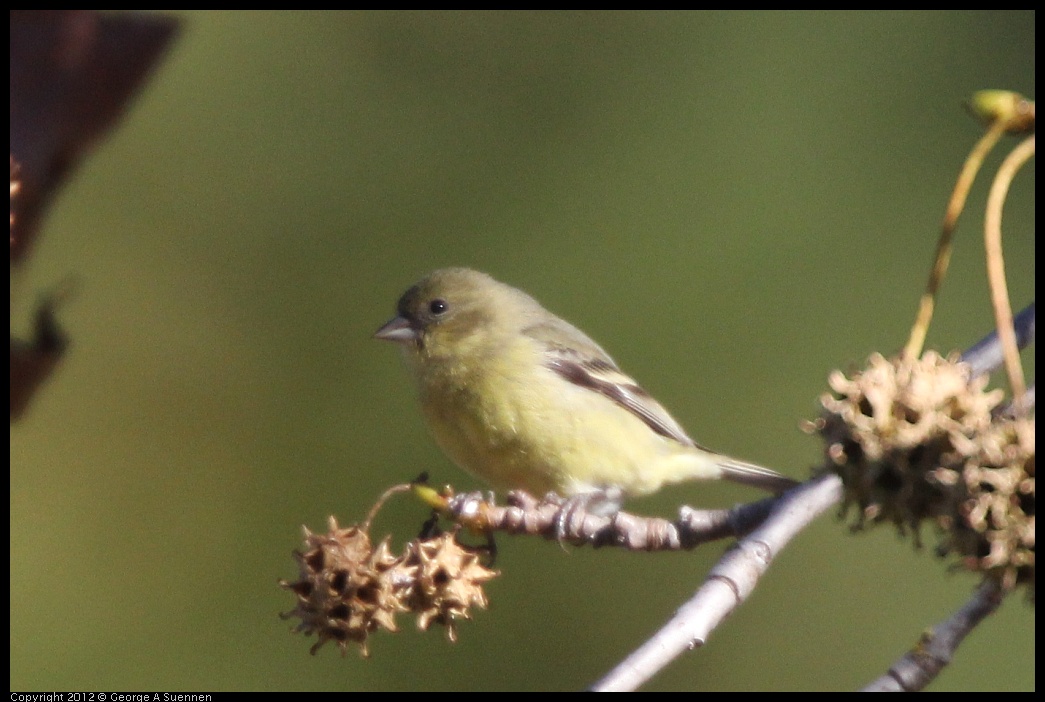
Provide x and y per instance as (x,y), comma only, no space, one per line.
(395,489)
(935,649)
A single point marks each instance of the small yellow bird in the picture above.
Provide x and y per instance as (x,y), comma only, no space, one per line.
(524,400)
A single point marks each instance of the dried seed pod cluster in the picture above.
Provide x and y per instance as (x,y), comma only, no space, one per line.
(919,439)
(349,589)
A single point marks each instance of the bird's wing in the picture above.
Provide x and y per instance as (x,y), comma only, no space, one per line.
(590,367)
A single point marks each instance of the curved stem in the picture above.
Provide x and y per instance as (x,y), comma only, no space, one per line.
(943,245)
(996,265)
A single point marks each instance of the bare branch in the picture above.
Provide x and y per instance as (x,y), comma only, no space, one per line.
(729,583)
(933,652)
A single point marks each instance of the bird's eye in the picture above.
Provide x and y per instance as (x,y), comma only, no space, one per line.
(438,307)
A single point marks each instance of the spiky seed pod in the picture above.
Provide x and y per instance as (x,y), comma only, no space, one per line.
(449,583)
(918,439)
(995,534)
(347,589)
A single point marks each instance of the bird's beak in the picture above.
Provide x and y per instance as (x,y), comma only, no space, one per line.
(397,330)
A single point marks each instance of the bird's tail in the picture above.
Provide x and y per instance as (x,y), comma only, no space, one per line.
(755,476)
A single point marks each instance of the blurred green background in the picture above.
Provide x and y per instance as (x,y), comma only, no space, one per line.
(732,203)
